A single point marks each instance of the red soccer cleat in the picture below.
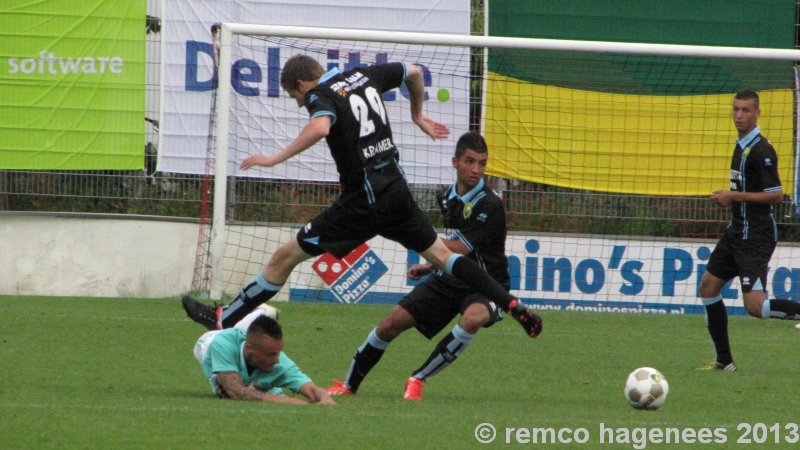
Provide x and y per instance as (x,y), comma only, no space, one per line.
(339,388)
(414,389)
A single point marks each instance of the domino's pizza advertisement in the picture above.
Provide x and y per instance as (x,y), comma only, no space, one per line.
(560,272)
(350,278)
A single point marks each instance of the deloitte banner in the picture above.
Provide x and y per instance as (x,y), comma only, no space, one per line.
(266,119)
(72,84)
(560,272)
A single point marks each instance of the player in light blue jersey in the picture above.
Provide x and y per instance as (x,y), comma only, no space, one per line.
(247,362)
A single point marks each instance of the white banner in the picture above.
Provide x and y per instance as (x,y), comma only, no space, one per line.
(265,119)
(560,272)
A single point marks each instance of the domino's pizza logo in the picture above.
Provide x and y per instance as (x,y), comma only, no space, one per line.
(351,277)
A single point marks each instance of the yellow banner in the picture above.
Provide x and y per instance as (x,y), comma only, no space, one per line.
(633,144)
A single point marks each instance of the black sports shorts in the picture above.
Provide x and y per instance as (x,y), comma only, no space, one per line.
(433,304)
(353,219)
(747,259)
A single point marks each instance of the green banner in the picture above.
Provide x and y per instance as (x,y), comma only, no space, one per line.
(726,23)
(72,92)
(634,124)
(734,23)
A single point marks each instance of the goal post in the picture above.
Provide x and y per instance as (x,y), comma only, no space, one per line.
(584,228)
(223,100)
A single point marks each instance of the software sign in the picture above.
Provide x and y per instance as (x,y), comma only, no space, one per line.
(72,85)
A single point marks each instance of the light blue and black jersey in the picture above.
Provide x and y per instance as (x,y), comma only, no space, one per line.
(754,168)
(360,137)
(478,219)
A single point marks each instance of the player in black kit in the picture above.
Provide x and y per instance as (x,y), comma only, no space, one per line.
(347,110)
(475,226)
(747,244)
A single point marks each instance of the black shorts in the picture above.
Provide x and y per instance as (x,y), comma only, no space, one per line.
(747,259)
(353,220)
(434,304)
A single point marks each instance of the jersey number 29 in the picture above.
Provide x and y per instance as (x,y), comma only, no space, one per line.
(361,112)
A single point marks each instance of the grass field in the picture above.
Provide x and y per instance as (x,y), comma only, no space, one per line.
(119,373)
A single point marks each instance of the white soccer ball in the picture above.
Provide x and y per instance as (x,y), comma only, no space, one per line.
(646,388)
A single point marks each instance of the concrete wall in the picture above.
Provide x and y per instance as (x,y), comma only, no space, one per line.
(99,256)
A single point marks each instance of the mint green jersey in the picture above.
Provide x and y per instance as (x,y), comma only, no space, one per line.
(224,352)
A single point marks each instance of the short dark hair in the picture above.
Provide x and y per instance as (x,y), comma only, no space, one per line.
(471,141)
(300,67)
(266,326)
(748,94)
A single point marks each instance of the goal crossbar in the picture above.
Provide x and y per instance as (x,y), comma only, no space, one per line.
(513,43)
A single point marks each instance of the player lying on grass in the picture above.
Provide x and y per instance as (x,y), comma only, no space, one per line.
(347,110)
(475,223)
(247,362)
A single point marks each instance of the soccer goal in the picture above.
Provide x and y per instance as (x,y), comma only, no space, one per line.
(604,154)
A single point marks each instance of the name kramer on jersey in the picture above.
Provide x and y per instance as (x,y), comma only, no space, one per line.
(381,146)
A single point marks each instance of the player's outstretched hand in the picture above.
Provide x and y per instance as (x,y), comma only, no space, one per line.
(417,271)
(257,160)
(529,320)
(722,198)
(431,127)
(326,401)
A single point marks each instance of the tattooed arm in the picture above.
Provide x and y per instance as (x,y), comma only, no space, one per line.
(235,389)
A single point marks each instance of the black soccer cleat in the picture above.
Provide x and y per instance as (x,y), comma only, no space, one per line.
(529,320)
(205,315)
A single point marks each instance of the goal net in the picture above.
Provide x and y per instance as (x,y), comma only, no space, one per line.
(604,154)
